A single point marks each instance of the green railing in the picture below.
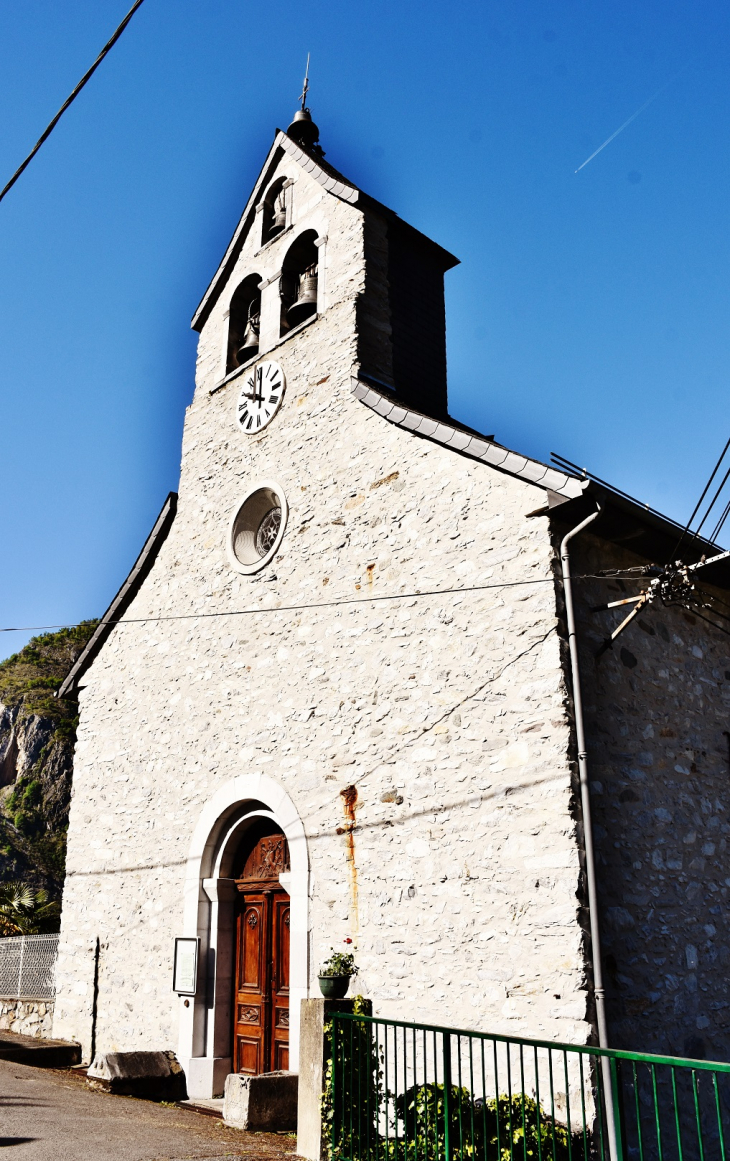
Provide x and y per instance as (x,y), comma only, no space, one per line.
(413,1092)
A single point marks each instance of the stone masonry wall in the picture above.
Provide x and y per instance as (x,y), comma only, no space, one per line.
(447,713)
(27,1017)
(657,712)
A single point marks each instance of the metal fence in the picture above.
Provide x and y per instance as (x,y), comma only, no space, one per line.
(412,1092)
(28,967)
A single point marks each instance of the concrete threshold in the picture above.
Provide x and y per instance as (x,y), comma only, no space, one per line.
(209,1106)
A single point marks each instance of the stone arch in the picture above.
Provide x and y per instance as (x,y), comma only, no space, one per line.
(204,1026)
(300,281)
(244,321)
(274,210)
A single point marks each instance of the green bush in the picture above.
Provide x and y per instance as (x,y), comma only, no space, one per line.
(494,1130)
(25,807)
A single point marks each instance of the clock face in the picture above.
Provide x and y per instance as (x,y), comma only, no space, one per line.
(260,398)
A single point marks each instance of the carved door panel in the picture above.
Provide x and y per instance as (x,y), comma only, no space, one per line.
(261,982)
(280,983)
(250,984)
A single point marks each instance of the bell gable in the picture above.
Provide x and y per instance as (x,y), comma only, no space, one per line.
(308,240)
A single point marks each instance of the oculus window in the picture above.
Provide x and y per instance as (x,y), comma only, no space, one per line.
(257,528)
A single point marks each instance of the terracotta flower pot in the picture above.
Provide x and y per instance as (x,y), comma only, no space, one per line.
(334,987)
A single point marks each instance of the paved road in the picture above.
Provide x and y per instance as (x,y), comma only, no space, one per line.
(48,1115)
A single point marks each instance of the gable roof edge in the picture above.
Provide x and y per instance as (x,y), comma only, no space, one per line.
(334,185)
(206,303)
(475,446)
(124,597)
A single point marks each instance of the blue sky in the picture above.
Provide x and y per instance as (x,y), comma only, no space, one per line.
(589,315)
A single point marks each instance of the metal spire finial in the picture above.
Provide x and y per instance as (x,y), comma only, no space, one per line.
(303,129)
(305,89)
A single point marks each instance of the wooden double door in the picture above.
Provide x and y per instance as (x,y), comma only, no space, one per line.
(261,980)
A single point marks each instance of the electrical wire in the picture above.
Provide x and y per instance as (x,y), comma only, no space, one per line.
(699,502)
(718,527)
(328,604)
(294,608)
(694,613)
(69,100)
(712,504)
(711,608)
(712,597)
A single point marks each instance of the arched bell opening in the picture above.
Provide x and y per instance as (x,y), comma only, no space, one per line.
(260,1030)
(299,278)
(244,321)
(274,211)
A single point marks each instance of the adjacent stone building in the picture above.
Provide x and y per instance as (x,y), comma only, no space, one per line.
(336,704)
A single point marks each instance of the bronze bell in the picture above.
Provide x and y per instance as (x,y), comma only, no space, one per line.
(304,131)
(305,303)
(250,344)
(278,221)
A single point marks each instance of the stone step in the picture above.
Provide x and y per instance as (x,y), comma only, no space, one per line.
(40,1053)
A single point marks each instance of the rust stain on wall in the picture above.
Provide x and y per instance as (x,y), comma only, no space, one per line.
(349,803)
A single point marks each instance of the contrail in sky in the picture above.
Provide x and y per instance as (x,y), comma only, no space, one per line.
(633,116)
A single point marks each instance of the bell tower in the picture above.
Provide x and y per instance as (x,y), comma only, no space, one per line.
(311,243)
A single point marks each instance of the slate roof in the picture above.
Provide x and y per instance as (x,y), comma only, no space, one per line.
(624,520)
(470,444)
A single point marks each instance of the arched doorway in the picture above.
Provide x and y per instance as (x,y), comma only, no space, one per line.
(261,972)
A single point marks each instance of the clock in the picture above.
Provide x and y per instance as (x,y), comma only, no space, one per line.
(260,398)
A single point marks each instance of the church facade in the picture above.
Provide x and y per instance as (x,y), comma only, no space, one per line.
(332,701)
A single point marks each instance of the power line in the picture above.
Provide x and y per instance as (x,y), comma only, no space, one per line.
(694,613)
(318,604)
(713,501)
(293,608)
(331,604)
(86,77)
(448,712)
(685,530)
(718,527)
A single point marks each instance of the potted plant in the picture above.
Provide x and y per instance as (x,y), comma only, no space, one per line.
(335,974)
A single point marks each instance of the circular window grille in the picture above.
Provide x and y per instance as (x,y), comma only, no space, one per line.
(257,528)
(268,531)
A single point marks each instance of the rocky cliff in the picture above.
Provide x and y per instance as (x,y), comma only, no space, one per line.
(37,736)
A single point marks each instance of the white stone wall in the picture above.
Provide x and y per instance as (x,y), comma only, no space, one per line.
(657,708)
(446,712)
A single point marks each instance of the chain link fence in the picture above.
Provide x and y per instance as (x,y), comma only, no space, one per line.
(28,967)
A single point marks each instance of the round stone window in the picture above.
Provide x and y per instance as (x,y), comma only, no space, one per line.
(257,528)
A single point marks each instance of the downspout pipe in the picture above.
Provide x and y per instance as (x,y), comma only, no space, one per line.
(585,798)
(598,989)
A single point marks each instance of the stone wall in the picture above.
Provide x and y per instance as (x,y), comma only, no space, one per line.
(27,1017)
(657,712)
(456,866)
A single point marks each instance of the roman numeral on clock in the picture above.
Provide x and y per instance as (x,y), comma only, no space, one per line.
(261,397)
